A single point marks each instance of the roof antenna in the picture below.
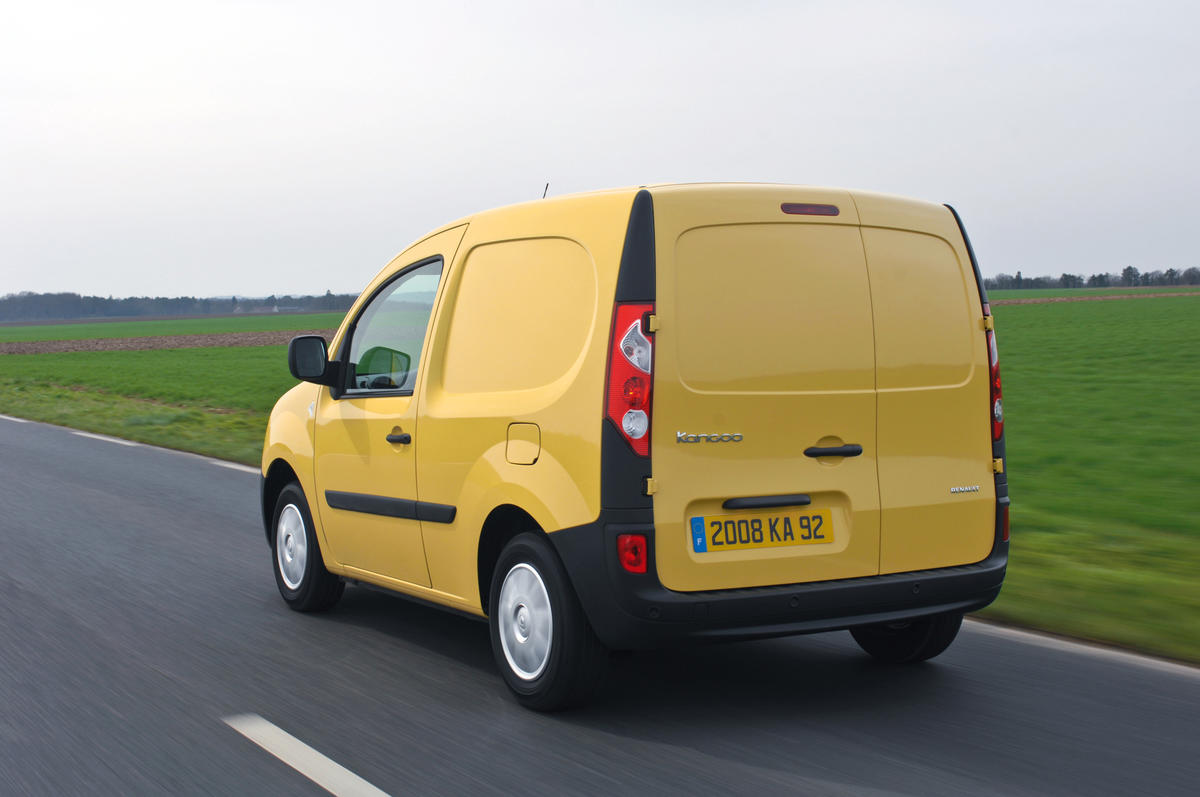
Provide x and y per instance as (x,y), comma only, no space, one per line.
(544,190)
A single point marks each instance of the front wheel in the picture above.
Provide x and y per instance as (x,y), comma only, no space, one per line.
(300,573)
(908,641)
(544,646)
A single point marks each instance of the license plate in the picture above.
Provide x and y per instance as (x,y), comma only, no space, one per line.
(766,530)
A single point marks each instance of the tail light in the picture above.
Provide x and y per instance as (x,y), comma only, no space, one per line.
(630,367)
(997,403)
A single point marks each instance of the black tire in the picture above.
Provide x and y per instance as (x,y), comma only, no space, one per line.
(576,662)
(908,641)
(313,588)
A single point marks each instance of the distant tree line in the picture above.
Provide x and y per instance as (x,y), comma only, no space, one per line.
(72,306)
(1128,278)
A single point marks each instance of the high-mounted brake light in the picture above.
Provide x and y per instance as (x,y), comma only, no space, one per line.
(630,365)
(804,209)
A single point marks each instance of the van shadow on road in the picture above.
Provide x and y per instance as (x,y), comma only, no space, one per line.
(820,675)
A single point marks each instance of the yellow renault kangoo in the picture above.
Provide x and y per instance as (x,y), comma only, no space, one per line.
(642,417)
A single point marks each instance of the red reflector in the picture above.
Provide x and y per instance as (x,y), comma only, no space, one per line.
(1004,521)
(801,209)
(631,550)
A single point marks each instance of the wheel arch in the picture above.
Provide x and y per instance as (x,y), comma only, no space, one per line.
(279,475)
(501,525)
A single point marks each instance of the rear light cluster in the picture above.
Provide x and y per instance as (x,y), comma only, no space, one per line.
(630,366)
(997,403)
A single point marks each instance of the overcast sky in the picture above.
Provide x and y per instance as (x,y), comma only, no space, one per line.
(212,148)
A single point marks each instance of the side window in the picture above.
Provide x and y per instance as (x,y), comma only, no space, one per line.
(386,345)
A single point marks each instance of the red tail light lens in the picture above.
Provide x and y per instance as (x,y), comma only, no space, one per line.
(631,551)
(630,365)
(997,403)
(635,392)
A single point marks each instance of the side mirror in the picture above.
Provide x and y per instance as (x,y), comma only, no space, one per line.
(308,359)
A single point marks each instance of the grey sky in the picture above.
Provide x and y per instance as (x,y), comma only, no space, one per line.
(207,148)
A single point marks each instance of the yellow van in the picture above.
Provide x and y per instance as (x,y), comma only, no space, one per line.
(639,417)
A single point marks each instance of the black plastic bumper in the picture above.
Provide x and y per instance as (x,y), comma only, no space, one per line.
(630,611)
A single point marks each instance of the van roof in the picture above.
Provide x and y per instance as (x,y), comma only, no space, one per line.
(876,198)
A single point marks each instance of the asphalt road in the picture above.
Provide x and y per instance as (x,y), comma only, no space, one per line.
(138,610)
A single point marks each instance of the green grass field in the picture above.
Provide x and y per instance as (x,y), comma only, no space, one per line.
(213,401)
(175,326)
(1102,424)
(1043,293)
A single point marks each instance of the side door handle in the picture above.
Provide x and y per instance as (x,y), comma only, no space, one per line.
(403,438)
(849,450)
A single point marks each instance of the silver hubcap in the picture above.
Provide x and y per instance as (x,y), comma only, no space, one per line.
(291,546)
(525,620)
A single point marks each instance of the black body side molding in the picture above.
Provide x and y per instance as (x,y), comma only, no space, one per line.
(391,507)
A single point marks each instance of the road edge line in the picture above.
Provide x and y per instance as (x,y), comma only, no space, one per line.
(225,463)
(220,463)
(107,439)
(1042,639)
(1095,650)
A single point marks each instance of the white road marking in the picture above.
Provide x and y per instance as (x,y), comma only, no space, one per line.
(220,463)
(1084,648)
(211,460)
(321,770)
(107,439)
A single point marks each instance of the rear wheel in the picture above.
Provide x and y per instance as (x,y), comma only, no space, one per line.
(544,646)
(300,572)
(910,640)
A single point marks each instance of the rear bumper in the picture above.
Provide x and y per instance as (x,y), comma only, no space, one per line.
(636,611)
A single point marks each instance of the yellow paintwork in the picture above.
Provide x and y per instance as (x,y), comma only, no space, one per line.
(933,379)
(289,437)
(353,455)
(463,430)
(508,404)
(755,340)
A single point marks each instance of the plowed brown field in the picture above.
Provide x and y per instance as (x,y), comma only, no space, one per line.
(277,338)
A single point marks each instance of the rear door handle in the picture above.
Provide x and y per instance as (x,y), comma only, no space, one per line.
(403,438)
(849,450)
(767,501)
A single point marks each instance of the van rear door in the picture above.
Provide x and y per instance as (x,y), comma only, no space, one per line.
(764,351)
(935,449)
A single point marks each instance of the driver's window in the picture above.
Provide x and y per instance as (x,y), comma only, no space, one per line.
(386,346)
